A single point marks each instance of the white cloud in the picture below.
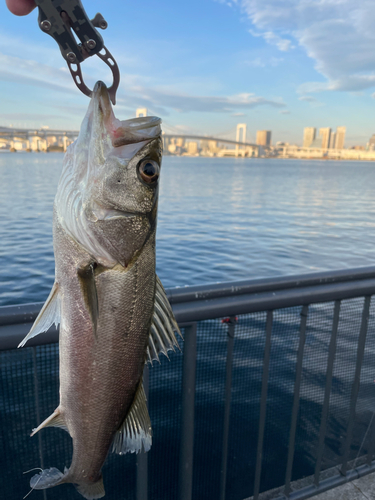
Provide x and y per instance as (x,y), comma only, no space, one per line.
(160,100)
(281,43)
(17,70)
(307,98)
(285,112)
(338,35)
(259,62)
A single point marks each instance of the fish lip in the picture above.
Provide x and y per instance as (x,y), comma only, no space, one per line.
(101,213)
(118,214)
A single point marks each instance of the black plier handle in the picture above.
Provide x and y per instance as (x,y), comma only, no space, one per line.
(62,19)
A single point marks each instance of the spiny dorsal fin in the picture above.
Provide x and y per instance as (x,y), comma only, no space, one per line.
(135,434)
(56,419)
(49,314)
(163,327)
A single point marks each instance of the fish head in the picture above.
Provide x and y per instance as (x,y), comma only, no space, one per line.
(114,178)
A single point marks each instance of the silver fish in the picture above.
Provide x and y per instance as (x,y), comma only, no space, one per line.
(113,312)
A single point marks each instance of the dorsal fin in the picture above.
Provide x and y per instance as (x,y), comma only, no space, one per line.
(163,327)
(135,434)
(49,314)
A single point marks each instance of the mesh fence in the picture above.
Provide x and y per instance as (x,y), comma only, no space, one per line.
(29,393)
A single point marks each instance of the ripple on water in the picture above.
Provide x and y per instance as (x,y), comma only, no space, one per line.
(220,219)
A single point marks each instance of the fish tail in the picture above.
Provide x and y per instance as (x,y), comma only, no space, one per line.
(47,479)
(91,491)
(53,477)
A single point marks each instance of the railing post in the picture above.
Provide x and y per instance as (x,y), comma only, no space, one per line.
(185,478)
(297,385)
(142,458)
(37,408)
(327,391)
(228,389)
(263,403)
(356,382)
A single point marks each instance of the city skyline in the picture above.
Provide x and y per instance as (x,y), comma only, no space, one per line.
(327,138)
(261,63)
(328,145)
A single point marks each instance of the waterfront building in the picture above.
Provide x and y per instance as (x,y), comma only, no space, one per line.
(141,112)
(325,134)
(209,148)
(340,137)
(332,142)
(371,143)
(316,143)
(263,138)
(192,148)
(309,135)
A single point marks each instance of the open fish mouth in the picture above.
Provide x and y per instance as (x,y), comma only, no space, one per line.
(126,132)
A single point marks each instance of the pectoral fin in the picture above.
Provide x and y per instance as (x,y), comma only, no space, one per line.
(135,434)
(49,314)
(86,277)
(163,327)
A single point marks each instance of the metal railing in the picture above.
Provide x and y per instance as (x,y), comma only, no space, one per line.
(192,305)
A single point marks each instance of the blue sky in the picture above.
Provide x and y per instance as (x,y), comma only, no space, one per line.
(205,65)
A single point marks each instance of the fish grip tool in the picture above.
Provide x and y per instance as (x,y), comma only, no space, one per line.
(66,20)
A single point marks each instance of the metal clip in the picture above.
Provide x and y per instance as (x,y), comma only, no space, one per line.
(65,21)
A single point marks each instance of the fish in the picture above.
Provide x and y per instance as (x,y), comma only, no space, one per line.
(113,311)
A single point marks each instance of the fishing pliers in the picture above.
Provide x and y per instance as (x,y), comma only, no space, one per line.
(66,21)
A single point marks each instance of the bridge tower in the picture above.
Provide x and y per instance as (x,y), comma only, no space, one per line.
(141,112)
(66,143)
(241,127)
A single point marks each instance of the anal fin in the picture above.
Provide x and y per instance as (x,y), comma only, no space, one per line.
(135,434)
(49,314)
(56,419)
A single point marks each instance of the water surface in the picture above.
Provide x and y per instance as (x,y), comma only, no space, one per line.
(220,219)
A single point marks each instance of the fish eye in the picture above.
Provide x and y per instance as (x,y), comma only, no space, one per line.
(149,171)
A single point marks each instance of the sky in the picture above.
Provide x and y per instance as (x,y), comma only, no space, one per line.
(204,66)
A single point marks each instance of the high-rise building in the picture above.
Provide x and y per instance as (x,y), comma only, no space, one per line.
(340,137)
(141,112)
(192,148)
(309,135)
(332,142)
(263,137)
(371,143)
(325,134)
(316,143)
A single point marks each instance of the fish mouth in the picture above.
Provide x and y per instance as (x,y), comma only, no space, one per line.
(101,213)
(125,132)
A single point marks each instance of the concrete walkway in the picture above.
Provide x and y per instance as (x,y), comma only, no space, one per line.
(359,489)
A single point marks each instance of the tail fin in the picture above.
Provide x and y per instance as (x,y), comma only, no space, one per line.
(91,491)
(53,477)
(46,479)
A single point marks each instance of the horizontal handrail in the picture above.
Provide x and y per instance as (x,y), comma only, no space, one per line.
(219,300)
(234,288)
